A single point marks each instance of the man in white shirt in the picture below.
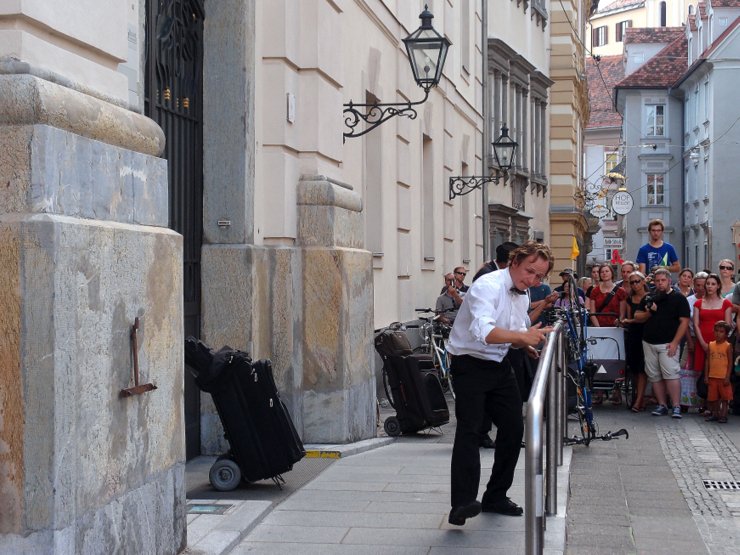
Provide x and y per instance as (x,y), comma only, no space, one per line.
(492,319)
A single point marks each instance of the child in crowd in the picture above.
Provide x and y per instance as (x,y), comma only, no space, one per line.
(717,371)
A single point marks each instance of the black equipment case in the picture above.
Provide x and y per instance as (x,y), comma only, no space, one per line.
(264,442)
(417,397)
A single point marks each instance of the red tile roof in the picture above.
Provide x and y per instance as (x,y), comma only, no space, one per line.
(600,96)
(662,70)
(659,35)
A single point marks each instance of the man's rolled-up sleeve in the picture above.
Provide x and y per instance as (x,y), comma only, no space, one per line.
(484,312)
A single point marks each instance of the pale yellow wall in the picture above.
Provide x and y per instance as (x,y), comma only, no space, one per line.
(81,42)
(647,15)
(327,53)
(569,113)
(508,21)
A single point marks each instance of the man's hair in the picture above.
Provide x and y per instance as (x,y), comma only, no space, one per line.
(701,275)
(662,271)
(459,269)
(540,250)
(503,252)
(722,324)
(656,221)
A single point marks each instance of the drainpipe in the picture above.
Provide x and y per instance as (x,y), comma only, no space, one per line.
(486,133)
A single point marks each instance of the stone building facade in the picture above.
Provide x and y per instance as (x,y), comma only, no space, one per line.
(517,91)
(85,255)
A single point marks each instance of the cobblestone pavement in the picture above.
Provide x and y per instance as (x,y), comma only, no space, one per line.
(647,493)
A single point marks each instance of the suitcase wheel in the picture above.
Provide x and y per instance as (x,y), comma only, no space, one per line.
(225,475)
(392,426)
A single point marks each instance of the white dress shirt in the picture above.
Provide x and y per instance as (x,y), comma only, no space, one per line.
(489,303)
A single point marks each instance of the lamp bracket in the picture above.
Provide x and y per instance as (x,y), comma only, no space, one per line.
(375,114)
(462,185)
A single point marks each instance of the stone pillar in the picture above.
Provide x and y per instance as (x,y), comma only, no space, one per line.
(84,250)
(338,356)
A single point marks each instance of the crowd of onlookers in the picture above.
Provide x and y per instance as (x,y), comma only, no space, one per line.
(680,325)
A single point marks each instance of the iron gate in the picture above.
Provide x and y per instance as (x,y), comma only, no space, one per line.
(173,98)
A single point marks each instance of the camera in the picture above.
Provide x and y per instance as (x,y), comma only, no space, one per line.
(653,298)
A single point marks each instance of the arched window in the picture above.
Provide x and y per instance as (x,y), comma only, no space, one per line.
(662,14)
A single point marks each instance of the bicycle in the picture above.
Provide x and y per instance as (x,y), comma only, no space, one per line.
(433,334)
(575,317)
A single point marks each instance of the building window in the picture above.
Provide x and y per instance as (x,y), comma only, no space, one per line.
(600,36)
(621,28)
(465,36)
(655,189)
(611,159)
(655,119)
(662,14)
(706,101)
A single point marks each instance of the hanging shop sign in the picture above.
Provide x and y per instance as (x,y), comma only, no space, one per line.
(599,210)
(622,203)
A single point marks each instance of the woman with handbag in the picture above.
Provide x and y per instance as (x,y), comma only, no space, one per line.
(607,299)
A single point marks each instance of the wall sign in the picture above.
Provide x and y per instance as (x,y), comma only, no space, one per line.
(622,203)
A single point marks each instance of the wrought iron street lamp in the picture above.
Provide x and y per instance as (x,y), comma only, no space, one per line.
(504,149)
(427,51)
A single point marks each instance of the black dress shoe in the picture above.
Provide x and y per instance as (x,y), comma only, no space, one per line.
(504,507)
(487,443)
(459,514)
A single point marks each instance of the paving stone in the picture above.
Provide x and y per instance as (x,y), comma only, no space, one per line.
(352,519)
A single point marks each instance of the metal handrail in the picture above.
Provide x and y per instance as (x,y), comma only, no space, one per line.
(550,379)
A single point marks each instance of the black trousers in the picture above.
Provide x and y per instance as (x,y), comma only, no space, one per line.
(523,372)
(484,387)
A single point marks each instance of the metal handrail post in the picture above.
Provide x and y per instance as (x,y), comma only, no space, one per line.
(551,467)
(534,514)
(559,392)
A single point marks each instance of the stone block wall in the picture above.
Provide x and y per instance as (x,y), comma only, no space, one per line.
(84,250)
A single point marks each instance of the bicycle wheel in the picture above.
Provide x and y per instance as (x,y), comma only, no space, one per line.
(584,426)
(448,374)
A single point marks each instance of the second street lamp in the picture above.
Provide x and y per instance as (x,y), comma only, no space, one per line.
(504,149)
(427,51)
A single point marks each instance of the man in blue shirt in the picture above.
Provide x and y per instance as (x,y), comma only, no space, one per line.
(657,252)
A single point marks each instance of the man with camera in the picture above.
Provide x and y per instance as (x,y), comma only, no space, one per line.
(448,303)
(666,316)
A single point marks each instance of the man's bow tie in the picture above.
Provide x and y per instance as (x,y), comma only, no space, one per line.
(517,291)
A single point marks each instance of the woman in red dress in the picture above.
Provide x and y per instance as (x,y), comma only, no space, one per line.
(708,311)
(607,298)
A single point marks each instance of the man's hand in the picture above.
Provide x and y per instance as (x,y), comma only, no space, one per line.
(532,353)
(672,348)
(552,297)
(534,335)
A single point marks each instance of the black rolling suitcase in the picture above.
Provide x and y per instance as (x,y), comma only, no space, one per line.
(417,397)
(263,441)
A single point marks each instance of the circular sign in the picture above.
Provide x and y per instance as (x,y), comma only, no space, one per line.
(599,211)
(622,203)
